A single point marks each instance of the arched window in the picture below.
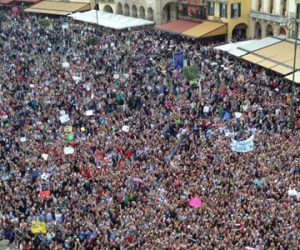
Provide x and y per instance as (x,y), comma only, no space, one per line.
(142,12)
(126,10)
(150,14)
(134,11)
(119,9)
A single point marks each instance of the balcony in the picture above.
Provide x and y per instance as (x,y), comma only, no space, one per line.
(191,2)
(107,1)
(267,17)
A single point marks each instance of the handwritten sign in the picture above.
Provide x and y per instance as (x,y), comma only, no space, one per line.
(68,129)
(45,194)
(69,150)
(195,202)
(125,128)
(38,227)
(45,156)
(64,118)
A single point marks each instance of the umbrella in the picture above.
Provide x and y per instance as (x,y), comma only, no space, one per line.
(195,202)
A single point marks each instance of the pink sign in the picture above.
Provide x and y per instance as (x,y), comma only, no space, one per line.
(195,202)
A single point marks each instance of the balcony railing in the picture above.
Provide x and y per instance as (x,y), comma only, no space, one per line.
(191,2)
(107,1)
(267,17)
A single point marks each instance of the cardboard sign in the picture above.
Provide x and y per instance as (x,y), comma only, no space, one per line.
(125,128)
(45,176)
(238,115)
(68,129)
(89,112)
(206,109)
(69,150)
(195,202)
(38,227)
(66,65)
(77,79)
(45,194)
(64,118)
(45,156)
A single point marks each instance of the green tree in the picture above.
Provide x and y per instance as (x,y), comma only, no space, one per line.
(44,23)
(92,41)
(191,73)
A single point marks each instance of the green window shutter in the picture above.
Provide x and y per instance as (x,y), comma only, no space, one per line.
(239,9)
(232,11)
(225,10)
(220,9)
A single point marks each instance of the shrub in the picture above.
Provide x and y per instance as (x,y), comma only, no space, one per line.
(44,23)
(191,73)
(92,41)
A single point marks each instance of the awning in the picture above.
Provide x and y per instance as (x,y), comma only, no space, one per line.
(282,69)
(297,77)
(6,1)
(253,58)
(110,20)
(253,45)
(57,8)
(207,29)
(233,48)
(178,26)
(28,1)
(267,64)
(274,53)
(194,29)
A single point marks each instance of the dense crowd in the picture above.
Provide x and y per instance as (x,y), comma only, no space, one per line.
(145,141)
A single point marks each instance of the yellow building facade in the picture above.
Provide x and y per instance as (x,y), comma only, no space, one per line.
(235,13)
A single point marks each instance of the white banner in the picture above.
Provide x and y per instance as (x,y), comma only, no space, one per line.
(243,146)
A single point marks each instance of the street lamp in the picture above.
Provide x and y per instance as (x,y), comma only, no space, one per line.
(290,22)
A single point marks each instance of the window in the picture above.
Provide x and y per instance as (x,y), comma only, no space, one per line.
(283,7)
(223,10)
(298,11)
(235,10)
(211,9)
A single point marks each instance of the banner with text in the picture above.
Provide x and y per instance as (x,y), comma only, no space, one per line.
(243,146)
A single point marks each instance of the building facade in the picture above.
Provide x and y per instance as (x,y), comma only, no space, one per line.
(160,11)
(194,10)
(235,13)
(268,17)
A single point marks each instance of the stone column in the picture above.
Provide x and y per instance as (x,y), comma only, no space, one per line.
(254,5)
(277,7)
(266,6)
(263,29)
